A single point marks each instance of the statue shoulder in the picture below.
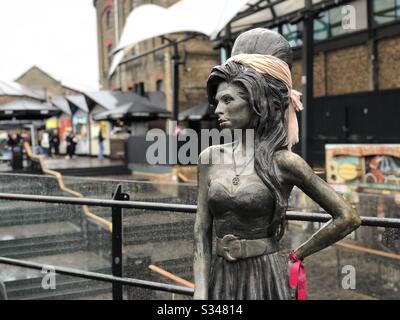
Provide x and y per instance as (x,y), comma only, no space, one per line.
(292,167)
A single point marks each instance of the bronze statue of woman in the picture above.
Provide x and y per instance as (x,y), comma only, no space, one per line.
(246,200)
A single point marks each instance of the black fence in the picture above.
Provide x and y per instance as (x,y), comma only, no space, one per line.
(121,201)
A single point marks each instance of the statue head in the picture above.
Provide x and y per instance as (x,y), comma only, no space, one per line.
(266,97)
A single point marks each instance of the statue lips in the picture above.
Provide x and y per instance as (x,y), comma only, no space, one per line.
(223,122)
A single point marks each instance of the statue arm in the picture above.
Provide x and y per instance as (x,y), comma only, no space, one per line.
(202,237)
(344,218)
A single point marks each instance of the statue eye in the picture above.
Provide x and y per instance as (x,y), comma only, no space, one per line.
(228,99)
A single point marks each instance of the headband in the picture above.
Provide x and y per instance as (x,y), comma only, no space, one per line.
(279,69)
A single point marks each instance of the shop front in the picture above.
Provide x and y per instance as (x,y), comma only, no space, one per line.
(80,123)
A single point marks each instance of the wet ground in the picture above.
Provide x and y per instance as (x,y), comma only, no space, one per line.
(61,163)
(80,162)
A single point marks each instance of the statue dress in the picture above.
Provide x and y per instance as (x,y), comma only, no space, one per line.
(243,211)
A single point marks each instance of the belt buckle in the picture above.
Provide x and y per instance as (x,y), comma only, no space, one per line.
(232,247)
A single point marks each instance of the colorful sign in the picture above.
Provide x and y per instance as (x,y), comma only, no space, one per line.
(52,123)
(373,164)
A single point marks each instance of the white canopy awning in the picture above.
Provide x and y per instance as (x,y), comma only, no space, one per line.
(208,17)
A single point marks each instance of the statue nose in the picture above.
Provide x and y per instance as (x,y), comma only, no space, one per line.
(219,110)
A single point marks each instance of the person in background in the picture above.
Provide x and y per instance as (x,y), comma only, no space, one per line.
(71,145)
(45,144)
(11,140)
(50,144)
(101,145)
(55,142)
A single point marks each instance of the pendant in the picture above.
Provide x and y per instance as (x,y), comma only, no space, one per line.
(236,181)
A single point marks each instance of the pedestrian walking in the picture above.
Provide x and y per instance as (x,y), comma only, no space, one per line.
(45,143)
(55,143)
(101,145)
(71,141)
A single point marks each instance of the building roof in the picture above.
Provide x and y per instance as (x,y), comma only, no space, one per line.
(9,88)
(66,83)
(133,110)
(14,124)
(26,109)
(129,105)
(157,98)
(78,101)
(200,112)
(62,104)
(110,100)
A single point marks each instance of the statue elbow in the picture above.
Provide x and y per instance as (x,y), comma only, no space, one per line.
(352,220)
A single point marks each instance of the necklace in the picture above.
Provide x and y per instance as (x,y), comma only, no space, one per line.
(236,179)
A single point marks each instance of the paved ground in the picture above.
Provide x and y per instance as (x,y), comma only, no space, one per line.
(322,279)
(63,163)
(80,162)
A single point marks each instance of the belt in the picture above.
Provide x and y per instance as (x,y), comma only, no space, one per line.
(232,248)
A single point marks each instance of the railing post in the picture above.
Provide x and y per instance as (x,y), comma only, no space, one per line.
(117,243)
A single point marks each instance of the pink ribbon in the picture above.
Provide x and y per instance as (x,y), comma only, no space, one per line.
(298,276)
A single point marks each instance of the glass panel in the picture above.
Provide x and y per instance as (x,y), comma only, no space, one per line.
(54,235)
(321,27)
(386,11)
(291,33)
(61,235)
(335,17)
(372,255)
(27,284)
(330,23)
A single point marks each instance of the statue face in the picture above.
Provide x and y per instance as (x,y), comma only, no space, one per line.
(232,110)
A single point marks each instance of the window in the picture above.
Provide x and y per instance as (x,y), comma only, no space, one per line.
(386,11)
(329,23)
(139,88)
(135,50)
(292,34)
(335,21)
(109,49)
(322,28)
(160,85)
(109,19)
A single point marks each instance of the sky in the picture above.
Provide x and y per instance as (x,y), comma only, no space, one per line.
(59,36)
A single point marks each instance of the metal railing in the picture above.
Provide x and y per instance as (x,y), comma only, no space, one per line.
(121,201)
